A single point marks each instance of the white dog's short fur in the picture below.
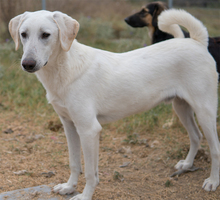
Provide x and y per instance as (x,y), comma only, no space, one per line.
(88,86)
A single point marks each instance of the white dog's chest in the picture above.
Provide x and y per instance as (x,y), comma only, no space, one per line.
(58,105)
(61,110)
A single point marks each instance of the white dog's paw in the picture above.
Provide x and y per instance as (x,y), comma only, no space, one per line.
(182,164)
(210,185)
(64,188)
(78,197)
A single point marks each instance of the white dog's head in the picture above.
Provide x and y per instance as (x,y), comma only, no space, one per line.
(41,33)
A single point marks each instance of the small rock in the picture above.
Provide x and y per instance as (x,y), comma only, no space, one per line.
(125,164)
(8,131)
(135,168)
(155,142)
(36,137)
(59,142)
(22,172)
(127,150)
(30,139)
(34,194)
(48,174)
(143,141)
(121,150)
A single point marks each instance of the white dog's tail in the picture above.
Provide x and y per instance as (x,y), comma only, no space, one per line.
(168,21)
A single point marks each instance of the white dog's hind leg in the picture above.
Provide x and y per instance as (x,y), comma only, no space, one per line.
(186,116)
(74,158)
(207,120)
(89,138)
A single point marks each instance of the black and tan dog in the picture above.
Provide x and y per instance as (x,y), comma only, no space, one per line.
(148,16)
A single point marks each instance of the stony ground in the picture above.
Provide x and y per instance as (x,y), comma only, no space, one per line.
(34,152)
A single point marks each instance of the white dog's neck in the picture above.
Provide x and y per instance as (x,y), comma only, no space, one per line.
(52,75)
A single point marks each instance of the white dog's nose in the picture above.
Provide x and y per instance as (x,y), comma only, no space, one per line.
(29,64)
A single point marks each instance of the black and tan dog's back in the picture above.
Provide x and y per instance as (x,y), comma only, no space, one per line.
(148,16)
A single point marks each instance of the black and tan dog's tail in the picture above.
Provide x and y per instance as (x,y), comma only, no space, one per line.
(168,21)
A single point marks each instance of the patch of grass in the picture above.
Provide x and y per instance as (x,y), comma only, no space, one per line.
(106,149)
(210,18)
(131,138)
(8,53)
(143,123)
(179,152)
(168,183)
(108,36)
(19,89)
(118,176)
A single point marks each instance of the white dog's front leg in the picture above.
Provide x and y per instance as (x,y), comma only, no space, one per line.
(73,142)
(90,144)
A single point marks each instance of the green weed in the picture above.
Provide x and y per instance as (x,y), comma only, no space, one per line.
(168,183)
(179,152)
(131,138)
(118,176)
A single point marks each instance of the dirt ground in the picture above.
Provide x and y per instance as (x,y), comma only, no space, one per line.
(138,171)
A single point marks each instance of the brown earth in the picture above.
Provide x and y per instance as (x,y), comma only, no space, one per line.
(37,144)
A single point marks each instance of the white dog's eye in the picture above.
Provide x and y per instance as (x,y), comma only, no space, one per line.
(45,35)
(24,35)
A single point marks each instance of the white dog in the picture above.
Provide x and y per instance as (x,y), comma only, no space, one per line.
(88,86)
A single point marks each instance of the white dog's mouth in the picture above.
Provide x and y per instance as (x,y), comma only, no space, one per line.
(30,65)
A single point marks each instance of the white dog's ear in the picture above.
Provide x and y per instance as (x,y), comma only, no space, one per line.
(68,29)
(14,26)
